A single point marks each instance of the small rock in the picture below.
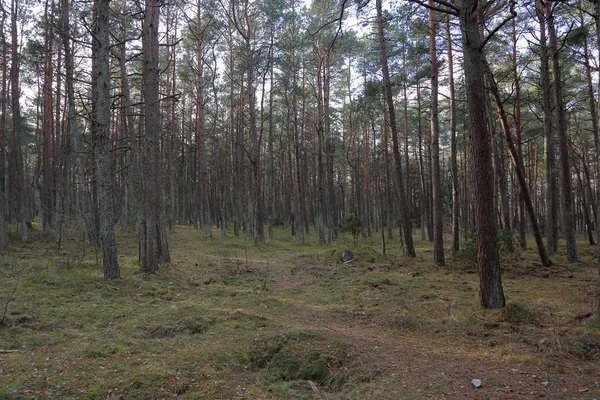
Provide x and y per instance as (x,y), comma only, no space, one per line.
(477,383)
(346,256)
(545,383)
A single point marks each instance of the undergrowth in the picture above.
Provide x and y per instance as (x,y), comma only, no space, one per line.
(227,319)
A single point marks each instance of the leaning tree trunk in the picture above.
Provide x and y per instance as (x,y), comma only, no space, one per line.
(406,222)
(519,169)
(101,102)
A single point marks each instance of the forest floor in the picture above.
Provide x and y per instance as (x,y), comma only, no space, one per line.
(227,319)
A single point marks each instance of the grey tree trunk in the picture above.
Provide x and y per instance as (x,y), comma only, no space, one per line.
(3,191)
(563,147)
(153,239)
(76,135)
(22,196)
(597,145)
(549,140)
(202,195)
(438,241)
(100,120)
(453,157)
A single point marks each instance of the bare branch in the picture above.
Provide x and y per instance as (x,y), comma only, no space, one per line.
(506,20)
(450,8)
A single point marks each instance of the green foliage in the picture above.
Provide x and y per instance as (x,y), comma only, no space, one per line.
(508,250)
(517,313)
(278,222)
(351,224)
(303,355)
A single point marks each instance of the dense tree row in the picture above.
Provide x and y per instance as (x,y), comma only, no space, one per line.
(440,116)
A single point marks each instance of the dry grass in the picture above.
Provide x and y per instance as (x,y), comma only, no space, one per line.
(227,319)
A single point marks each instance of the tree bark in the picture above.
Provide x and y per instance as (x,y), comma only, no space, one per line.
(100,119)
(22,196)
(561,123)
(203,198)
(490,280)
(519,169)
(438,241)
(47,126)
(153,233)
(3,191)
(549,140)
(453,156)
(406,222)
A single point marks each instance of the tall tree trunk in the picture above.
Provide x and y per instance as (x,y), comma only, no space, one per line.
(3,191)
(203,198)
(21,189)
(59,153)
(321,209)
(300,201)
(153,232)
(48,126)
(597,146)
(271,155)
(549,141)
(406,222)
(75,134)
(519,146)
(561,122)
(438,226)
(100,119)
(453,157)
(490,291)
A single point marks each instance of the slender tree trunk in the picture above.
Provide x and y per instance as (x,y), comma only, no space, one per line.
(153,233)
(48,125)
(3,191)
(519,146)
(321,209)
(549,141)
(22,197)
(76,135)
(490,291)
(597,146)
(203,198)
(271,155)
(406,222)
(561,122)
(59,151)
(100,118)
(438,226)
(300,202)
(453,156)
(519,169)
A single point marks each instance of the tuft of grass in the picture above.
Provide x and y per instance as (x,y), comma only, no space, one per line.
(303,355)
(517,313)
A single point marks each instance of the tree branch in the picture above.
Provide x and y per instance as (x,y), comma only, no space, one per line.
(450,8)
(512,15)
